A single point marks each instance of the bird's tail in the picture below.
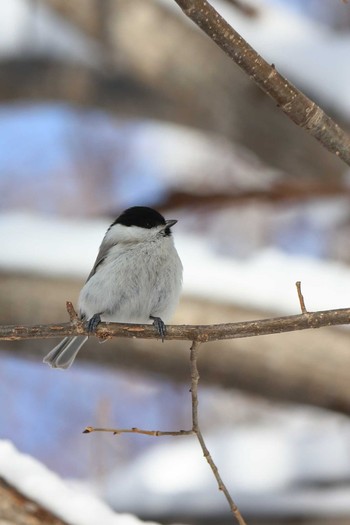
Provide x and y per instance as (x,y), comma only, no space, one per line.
(63,355)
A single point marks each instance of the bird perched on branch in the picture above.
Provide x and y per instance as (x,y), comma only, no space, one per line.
(136,278)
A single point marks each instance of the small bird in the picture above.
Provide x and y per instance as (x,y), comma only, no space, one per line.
(136,278)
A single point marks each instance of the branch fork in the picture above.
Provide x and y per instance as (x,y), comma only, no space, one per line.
(196,334)
(194,352)
(74,318)
(80,325)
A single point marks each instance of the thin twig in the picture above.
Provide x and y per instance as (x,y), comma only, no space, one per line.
(301,298)
(297,106)
(136,430)
(196,430)
(202,333)
(73,316)
(194,384)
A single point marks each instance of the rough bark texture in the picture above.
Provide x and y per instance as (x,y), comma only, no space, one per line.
(188,80)
(17,509)
(306,367)
(201,333)
(299,108)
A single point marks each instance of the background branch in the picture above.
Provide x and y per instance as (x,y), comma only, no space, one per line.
(244,7)
(297,106)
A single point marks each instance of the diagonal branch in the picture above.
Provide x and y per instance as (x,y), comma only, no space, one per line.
(297,106)
(202,333)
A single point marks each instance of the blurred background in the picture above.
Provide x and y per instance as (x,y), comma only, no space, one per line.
(106,104)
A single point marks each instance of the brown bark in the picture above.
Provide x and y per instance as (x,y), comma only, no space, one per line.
(309,366)
(160,67)
(202,333)
(299,108)
(17,509)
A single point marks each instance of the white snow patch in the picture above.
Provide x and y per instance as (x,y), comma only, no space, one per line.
(37,482)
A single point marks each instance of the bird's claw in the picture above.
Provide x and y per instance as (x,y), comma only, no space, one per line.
(159,326)
(93,323)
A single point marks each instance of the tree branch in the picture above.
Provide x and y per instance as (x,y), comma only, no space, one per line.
(135,430)
(198,334)
(196,430)
(297,106)
(301,298)
(201,333)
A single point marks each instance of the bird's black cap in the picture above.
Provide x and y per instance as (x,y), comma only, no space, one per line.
(141,216)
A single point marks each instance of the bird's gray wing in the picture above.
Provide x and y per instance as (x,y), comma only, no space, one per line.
(102,254)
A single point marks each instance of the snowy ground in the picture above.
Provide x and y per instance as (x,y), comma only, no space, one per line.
(73,505)
(292,462)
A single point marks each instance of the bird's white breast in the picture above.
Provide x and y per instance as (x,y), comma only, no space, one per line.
(136,280)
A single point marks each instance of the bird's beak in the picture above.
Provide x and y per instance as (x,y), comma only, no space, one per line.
(170,223)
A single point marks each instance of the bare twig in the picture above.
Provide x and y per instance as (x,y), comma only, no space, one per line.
(195,430)
(301,298)
(202,333)
(297,106)
(136,430)
(194,384)
(195,427)
(73,316)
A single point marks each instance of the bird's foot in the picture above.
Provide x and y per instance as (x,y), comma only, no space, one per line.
(159,326)
(93,323)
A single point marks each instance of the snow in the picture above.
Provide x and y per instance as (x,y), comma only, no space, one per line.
(275,461)
(75,506)
(307,53)
(181,151)
(266,280)
(51,150)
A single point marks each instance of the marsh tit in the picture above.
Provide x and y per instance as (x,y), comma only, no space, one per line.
(136,278)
